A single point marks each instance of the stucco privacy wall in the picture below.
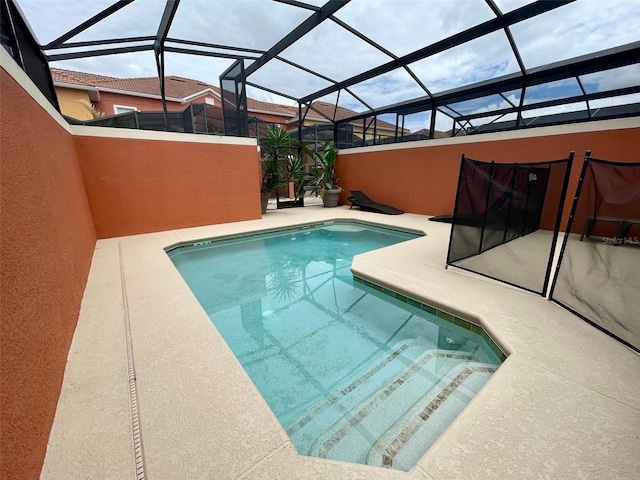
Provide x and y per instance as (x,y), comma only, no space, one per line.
(421,177)
(133,182)
(48,239)
(141,182)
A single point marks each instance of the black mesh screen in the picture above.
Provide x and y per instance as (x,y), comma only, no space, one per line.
(123,120)
(234,101)
(316,135)
(598,274)
(345,136)
(204,118)
(18,41)
(155,121)
(258,128)
(195,118)
(506,220)
(189,118)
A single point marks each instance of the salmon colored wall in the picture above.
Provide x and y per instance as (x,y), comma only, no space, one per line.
(203,99)
(108,100)
(141,186)
(279,119)
(614,201)
(48,240)
(423,179)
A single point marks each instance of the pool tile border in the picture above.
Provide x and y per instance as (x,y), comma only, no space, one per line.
(442,314)
(299,226)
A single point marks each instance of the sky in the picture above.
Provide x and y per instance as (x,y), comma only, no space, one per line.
(400,26)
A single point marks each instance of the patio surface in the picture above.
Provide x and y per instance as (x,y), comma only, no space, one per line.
(565,404)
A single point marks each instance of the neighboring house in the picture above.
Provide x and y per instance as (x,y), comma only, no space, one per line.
(112,96)
(424,134)
(383,129)
(72,87)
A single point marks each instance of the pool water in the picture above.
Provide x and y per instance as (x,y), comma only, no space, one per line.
(351,373)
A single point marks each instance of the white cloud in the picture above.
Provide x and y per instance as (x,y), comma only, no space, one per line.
(570,107)
(509,5)
(393,87)
(404,26)
(50,19)
(610,102)
(138,64)
(577,29)
(263,96)
(612,79)
(497,105)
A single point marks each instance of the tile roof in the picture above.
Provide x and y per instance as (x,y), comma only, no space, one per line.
(253,104)
(340,114)
(436,134)
(328,109)
(175,87)
(78,78)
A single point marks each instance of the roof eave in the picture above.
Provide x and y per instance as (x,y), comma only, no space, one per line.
(188,98)
(137,94)
(269,112)
(94,93)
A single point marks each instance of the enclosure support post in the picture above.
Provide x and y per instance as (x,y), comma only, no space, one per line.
(511,192)
(455,211)
(486,206)
(432,124)
(556,230)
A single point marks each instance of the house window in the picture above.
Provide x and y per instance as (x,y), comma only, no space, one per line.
(123,109)
(209,101)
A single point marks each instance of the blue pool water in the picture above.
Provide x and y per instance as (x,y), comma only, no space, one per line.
(351,373)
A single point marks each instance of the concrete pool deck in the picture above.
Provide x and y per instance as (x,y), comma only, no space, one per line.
(565,404)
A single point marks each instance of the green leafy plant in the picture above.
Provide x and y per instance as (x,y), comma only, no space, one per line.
(95,113)
(280,164)
(295,173)
(277,149)
(323,172)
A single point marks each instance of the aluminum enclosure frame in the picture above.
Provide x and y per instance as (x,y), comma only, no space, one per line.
(63,48)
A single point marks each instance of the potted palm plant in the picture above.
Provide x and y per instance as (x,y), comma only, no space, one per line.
(295,173)
(324,181)
(275,161)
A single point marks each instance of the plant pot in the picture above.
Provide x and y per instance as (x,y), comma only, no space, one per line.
(331,197)
(264,201)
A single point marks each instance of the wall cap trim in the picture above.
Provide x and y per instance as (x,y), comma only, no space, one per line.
(110,132)
(585,127)
(10,66)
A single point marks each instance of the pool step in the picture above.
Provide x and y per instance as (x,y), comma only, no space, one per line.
(407,440)
(353,436)
(354,389)
(396,382)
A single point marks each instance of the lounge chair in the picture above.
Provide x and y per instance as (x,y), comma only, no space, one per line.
(359,199)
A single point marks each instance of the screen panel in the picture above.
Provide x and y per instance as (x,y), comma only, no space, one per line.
(598,273)
(506,220)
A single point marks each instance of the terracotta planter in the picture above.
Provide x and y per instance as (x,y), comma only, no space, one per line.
(331,197)
(264,201)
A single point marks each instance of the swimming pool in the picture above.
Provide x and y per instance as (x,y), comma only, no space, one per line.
(350,372)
